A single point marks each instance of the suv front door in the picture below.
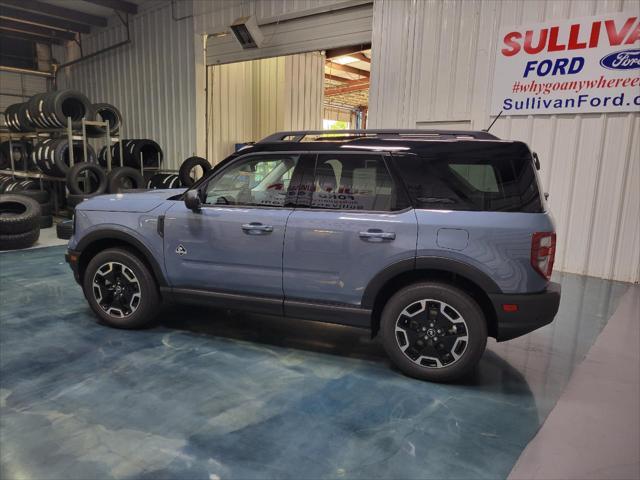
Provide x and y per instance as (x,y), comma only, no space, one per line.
(352,220)
(234,242)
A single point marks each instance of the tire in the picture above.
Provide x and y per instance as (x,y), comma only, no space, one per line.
(18,241)
(59,105)
(97,178)
(64,229)
(464,313)
(188,165)
(18,214)
(40,196)
(46,221)
(124,178)
(172,181)
(61,160)
(74,200)
(105,112)
(46,209)
(125,266)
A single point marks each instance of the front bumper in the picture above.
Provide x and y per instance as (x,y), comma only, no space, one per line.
(72,257)
(534,310)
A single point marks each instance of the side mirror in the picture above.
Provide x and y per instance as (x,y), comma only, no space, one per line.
(192,200)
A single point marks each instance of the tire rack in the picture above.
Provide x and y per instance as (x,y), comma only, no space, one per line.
(72,136)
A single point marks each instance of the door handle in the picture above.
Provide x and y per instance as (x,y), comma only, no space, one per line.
(256,228)
(374,234)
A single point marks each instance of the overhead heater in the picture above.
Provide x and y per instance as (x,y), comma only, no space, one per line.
(247,32)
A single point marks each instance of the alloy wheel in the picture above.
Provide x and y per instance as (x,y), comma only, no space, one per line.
(116,289)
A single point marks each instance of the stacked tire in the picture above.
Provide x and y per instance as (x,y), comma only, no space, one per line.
(31,189)
(19,222)
(53,158)
(21,152)
(49,110)
(163,180)
(133,151)
(85,180)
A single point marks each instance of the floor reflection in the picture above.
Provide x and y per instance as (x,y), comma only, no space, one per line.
(211,393)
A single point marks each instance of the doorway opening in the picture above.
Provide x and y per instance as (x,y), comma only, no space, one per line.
(346,88)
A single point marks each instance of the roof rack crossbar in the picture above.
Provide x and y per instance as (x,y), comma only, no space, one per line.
(299,135)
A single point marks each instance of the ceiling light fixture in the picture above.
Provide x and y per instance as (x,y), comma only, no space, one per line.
(344,60)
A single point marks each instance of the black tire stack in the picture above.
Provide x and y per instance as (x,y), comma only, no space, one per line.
(133,150)
(19,222)
(53,158)
(31,189)
(163,180)
(21,155)
(49,110)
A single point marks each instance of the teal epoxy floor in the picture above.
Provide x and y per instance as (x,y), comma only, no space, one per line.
(211,395)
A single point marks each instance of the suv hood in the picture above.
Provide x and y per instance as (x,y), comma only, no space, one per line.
(129,202)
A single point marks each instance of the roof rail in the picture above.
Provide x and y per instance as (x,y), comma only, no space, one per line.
(300,135)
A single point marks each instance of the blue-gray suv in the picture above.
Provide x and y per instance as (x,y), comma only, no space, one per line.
(433,240)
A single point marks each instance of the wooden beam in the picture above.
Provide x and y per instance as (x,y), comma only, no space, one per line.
(341,90)
(12,25)
(335,78)
(120,5)
(348,69)
(49,9)
(361,56)
(28,36)
(339,52)
(36,18)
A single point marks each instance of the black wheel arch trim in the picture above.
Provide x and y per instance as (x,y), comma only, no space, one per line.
(444,264)
(112,234)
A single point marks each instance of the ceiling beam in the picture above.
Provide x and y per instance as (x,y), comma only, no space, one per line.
(347,68)
(120,5)
(6,24)
(335,78)
(31,18)
(341,90)
(49,9)
(28,36)
(339,52)
(361,56)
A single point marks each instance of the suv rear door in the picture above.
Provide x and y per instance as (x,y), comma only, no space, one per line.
(352,220)
(234,243)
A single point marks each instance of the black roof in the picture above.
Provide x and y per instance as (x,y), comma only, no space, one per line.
(347,135)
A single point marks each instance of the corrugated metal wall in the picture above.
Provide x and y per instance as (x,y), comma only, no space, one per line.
(433,65)
(151,80)
(249,100)
(17,88)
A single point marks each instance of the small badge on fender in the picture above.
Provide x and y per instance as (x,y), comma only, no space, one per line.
(180,250)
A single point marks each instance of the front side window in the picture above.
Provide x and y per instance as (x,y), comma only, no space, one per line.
(350,182)
(254,181)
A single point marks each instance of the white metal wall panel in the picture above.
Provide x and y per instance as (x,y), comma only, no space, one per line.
(17,88)
(432,66)
(337,28)
(250,100)
(151,80)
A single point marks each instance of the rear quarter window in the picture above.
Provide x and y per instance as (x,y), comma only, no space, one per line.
(476,176)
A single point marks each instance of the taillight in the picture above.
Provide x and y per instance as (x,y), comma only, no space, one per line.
(543,252)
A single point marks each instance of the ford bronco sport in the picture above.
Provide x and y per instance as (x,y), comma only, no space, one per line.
(433,240)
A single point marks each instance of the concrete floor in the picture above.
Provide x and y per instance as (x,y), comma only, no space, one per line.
(214,395)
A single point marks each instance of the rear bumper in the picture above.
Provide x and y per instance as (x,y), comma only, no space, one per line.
(535,310)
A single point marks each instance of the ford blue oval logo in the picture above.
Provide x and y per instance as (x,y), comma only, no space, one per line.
(625,60)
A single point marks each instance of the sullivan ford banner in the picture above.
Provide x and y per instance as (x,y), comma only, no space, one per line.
(583,65)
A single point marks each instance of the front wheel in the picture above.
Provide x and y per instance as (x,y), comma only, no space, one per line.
(120,289)
(433,331)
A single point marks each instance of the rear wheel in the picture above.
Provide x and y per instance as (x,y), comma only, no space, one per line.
(120,289)
(433,331)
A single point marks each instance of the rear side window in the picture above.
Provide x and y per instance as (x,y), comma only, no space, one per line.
(477,176)
(351,182)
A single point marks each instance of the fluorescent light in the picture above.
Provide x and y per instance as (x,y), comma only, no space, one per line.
(344,60)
